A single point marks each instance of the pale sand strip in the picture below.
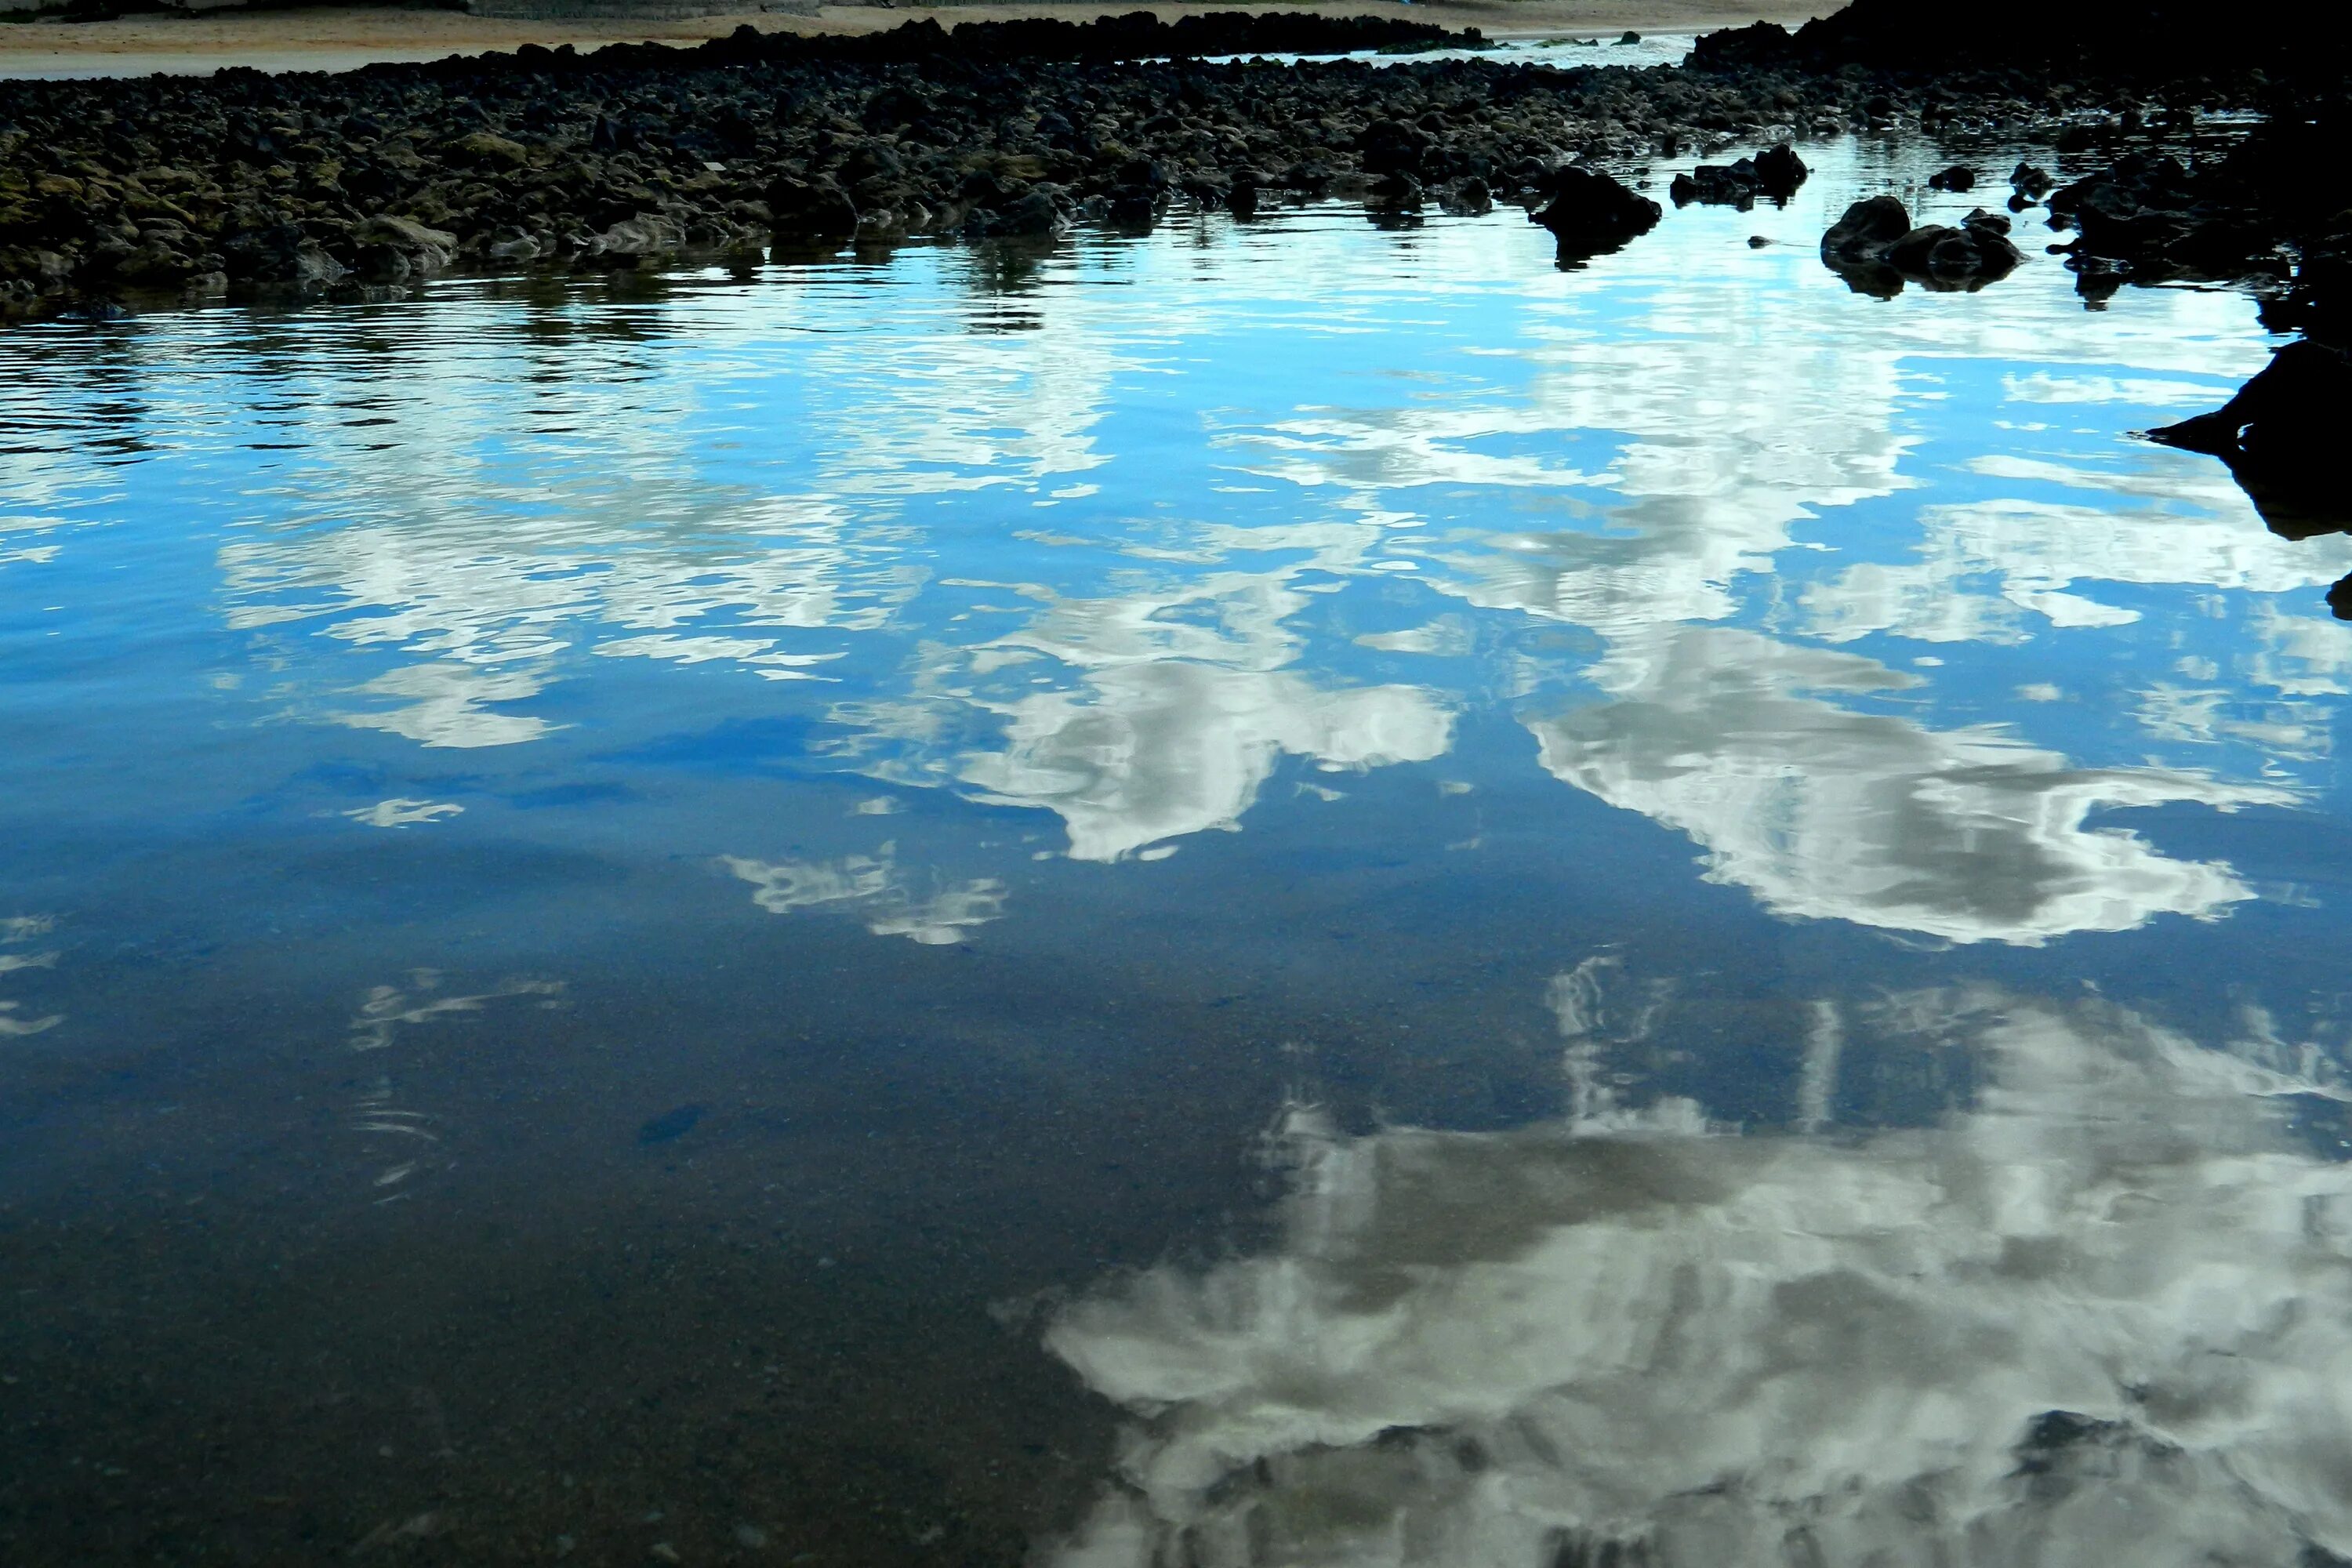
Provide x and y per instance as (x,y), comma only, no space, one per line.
(343,37)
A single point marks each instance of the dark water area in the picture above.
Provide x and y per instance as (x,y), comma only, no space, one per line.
(1288,892)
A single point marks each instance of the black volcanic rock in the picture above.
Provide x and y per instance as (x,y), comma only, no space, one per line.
(1877,250)
(810,209)
(2283,436)
(1725,184)
(1780,170)
(1868,226)
(1776,172)
(2278,207)
(631,153)
(1590,212)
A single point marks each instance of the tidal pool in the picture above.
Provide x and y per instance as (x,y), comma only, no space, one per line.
(1284,893)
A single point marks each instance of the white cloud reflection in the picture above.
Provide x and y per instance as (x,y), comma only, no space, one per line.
(1154,751)
(1751,746)
(822,479)
(16,930)
(399,811)
(1744,412)
(448,705)
(2099,1315)
(874,889)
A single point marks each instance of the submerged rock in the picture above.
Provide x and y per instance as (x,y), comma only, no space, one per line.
(1734,184)
(391,249)
(1032,216)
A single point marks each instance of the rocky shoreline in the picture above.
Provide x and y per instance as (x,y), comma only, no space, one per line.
(118,193)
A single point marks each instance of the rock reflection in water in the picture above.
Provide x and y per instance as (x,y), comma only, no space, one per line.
(2097,1314)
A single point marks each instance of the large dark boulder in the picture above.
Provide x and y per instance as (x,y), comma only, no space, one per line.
(1780,170)
(2285,436)
(1877,250)
(1971,251)
(1468,197)
(1591,213)
(2105,203)
(2271,207)
(1389,147)
(1868,226)
(809,210)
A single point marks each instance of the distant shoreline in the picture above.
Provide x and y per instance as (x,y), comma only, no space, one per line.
(335,38)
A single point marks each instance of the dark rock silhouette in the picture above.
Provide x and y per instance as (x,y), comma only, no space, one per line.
(1735,184)
(2110,36)
(2277,209)
(1868,226)
(2284,437)
(1591,213)
(814,209)
(2273,210)
(1776,173)
(1780,170)
(1877,250)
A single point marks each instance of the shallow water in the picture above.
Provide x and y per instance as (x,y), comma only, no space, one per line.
(1291,892)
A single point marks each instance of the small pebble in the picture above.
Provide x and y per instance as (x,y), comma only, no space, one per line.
(750,1535)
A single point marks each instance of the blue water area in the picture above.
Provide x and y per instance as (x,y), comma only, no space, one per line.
(1284,892)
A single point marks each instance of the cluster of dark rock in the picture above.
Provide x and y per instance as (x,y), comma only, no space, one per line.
(636,155)
(2276,214)
(2284,437)
(111,192)
(1877,249)
(1775,173)
(2276,211)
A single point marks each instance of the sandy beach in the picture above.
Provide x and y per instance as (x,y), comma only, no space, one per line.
(345,38)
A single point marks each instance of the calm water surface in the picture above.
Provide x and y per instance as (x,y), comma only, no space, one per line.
(1283,894)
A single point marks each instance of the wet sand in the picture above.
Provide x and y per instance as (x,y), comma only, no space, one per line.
(346,37)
